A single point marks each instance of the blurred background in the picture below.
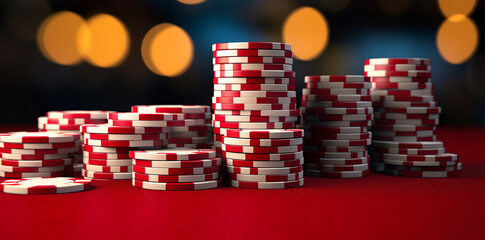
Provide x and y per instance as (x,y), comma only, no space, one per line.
(109,55)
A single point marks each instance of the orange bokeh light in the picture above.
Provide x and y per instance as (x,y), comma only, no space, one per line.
(457,39)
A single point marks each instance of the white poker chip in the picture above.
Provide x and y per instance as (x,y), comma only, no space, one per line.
(45,185)
(39,137)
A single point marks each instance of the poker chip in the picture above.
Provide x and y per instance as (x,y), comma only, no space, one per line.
(36,163)
(107,162)
(314,155)
(266,178)
(38,151)
(332,85)
(173,154)
(335,91)
(392,61)
(33,157)
(263,171)
(402,93)
(253,59)
(341,123)
(96,149)
(418,163)
(423,174)
(244,106)
(418,122)
(156,124)
(126,137)
(170,109)
(237,118)
(263,156)
(409,73)
(267,185)
(343,78)
(445,157)
(146,116)
(402,86)
(127,143)
(403,104)
(253,125)
(253,87)
(383,115)
(321,129)
(251,80)
(252,52)
(395,98)
(402,128)
(255,149)
(262,142)
(32,174)
(390,133)
(415,145)
(104,175)
(396,67)
(113,156)
(251,45)
(39,146)
(410,151)
(108,129)
(393,79)
(107,169)
(246,66)
(339,136)
(339,143)
(57,127)
(338,161)
(32,169)
(337,174)
(337,117)
(175,178)
(337,168)
(176,171)
(45,185)
(189,140)
(263,164)
(332,104)
(336,98)
(235,100)
(404,138)
(177,186)
(203,163)
(195,145)
(38,137)
(413,110)
(320,148)
(425,168)
(269,133)
(254,93)
(258,113)
(254,73)
(69,121)
(78,114)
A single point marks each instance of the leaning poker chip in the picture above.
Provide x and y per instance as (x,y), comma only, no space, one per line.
(107,162)
(336,123)
(250,80)
(259,113)
(106,155)
(255,149)
(173,154)
(333,104)
(339,143)
(39,137)
(253,87)
(110,150)
(409,73)
(251,53)
(253,125)
(337,111)
(416,145)
(264,164)
(423,174)
(104,175)
(407,122)
(394,98)
(266,178)
(263,156)
(137,137)
(177,186)
(270,133)
(203,163)
(107,169)
(69,121)
(365,85)
(274,60)
(314,155)
(337,168)
(413,110)
(445,157)
(38,146)
(108,129)
(32,174)
(175,178)
(45,185)
(410,151)
(401,80)
(34,157)
(264,171)
(336,174)
(253,93)
(170,109)
(32,169)
(403,93)
(254,100)
(402,86)
(142,143)
(425,116)
(335,91)
(342,78)
(251,45)
(262,142)
(392,61)
(336,98)
(337,117)
(267,185)
(176,171)
(36,163)
(396,67)
(136,123)
(255,73)
(246,66)
(232,118)
(38,151)
(339,136)
(146,116)
(338,161)
(189,140)
(417,163)
(78,114)
(58,127)
(327,130)
(458,166)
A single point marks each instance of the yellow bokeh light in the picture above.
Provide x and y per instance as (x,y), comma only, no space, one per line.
(457,39)
(167,50)
(306,29)
(106,41)
(191,2)
(452,7)
(57,37)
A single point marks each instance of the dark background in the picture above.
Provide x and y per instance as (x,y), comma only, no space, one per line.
(30,84)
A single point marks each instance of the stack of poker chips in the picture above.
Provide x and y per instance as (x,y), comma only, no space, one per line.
(254,89)
(197,136)
(406,118)
(335,114)
(71,121)
(176,169)
(37,154)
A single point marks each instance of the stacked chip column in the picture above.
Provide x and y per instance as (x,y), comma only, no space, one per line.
(336,112)
(406,118)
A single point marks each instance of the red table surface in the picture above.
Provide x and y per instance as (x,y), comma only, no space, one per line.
(378,206)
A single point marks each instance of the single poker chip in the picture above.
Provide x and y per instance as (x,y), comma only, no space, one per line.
(269,133)
(79,114)
(206,115)
(255,73)
(419,122)
(209,145)
(423,174)
(177,186)
(263,171)
(251,66)
(267,185)
(69,121)
(190,135)
(456,167)
(249,106)
(34,157)
(110,150)
(33,174)
(338,161)
(104,175)
(277,60)
(336,174)
(336,123)
(107,169)
(365,85)
(392,61)
(318,129)
(402,86)
(445,157)
(410,151)
(403,93)
(234,100)
(254,93)
(322,148)
(253,125)
(39,137)
(108,129)
(156,124)
(266,178)
(177,154)
(330,104)
(400,80)
(113,156)
(207,127)
(418,163)
(39,146)
(335,91)
(203,163)
(36,163)
(336,98)
(251,45)
(253,87)
(337,168)
(45,185)
(250,80)
(396,67)
(404,138)
(316,155)
(175,178)
(146,116)
(232,118)
(262,142)
(57,127)
(143,143)
(126,137)
(402,128)
(394,98)
(337,111)
(190,140)
(406,116)
(342,78)
(416,145)
(252,52)
(339,143)
(38,151)
(176,171)
(264,164)
(388,133)
(337,117)
(339,136)
(263,156)
(255,149)
(107,162)
(258,113)
(414,110)
(409,73)
(404,104)
(170,109)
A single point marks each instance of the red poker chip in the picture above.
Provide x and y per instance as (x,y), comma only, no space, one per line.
(269,113)
(146,116)
(397,67)
(320,148)
(336,117)
(335,91)
(263,156)
(264,164)
(414,110)
(189,140)
(231,118)
(410,151)
(390,61)
(110,150)
(445,157)
(225,60)
(404,138)
(426,116)
(364,85)
(251,80)
(45,185)
(37,146)
(263,100)
(400,80)
(332,104)
(423,174)
(69,121)
(251,45)
(267,185)
(253,87)
(87,114)
(255,73)
(338,161)
(170,109)
(266,178)
(336,98)
(337,174)
(202,163)
(36,163)
(257,142)
(339,136)
(177,186)
(432,122)
(317,155)
(125,137)
(176,171)
(107,169)
(107,162)
(252,52)
(251,93)
(342,78)
(318,129)
(107,155)
(251,66)
(264,171)
(425,98)
(257,150)
(108,129)
(253,125)
(106,175)
(403,104)
(39,137)
(175,178)
(337,168)
(13,169)
(142,143)
(276,133)
(402,86)
(385,73)
(403,93)
(337,111)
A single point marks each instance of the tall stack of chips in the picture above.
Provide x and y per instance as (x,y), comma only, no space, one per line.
(406,118)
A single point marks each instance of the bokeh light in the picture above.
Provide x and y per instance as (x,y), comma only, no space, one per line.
(452,7)
(457,39)
(191,2)
(57,37)
(306,29)
(106,41)
(167,50)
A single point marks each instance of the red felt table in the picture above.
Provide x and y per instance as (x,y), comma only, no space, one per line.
(378,206)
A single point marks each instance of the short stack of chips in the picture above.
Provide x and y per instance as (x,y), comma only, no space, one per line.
(71,121)
(37,154)
(176,169)
(254,89)
(335,114)
(406,118)
(186,135)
